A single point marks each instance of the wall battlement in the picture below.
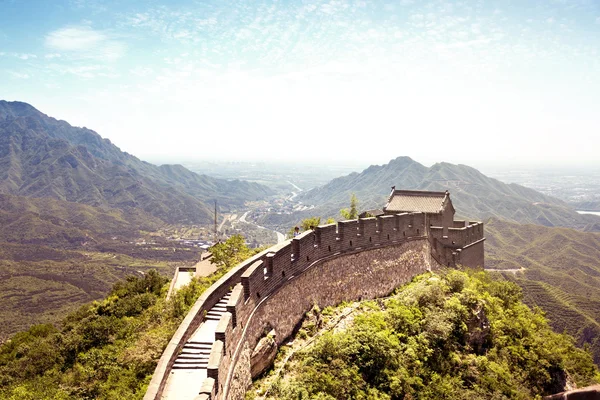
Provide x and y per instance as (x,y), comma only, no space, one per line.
(350,260)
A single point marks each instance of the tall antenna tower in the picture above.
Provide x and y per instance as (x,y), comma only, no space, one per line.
(216,237)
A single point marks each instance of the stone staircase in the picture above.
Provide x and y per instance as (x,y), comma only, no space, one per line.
(190,367)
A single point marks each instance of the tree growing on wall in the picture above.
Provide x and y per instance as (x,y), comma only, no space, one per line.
(230,252)
(351,213)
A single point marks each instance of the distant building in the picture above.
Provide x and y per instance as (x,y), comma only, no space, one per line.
(452,242)
(436,205)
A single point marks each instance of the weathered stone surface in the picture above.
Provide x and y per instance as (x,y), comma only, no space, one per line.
(588,393)
(264,354)
(365,275)
(241,375)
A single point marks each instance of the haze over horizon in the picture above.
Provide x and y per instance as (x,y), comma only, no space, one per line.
(478,83)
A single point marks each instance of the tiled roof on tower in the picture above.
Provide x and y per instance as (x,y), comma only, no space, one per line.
(416,201)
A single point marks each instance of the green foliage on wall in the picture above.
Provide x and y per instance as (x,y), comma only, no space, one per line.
(352,212)
(457,335)
(305,224)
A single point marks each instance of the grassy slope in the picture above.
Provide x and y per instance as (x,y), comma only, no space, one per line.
(562,273)
(44,291)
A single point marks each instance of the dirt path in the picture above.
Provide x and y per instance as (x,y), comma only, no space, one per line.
(511,270)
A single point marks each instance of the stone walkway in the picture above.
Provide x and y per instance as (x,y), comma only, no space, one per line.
(189,369)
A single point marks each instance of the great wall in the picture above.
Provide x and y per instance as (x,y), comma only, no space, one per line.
(216,352)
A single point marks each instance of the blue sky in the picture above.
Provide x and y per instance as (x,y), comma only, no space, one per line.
(475,82)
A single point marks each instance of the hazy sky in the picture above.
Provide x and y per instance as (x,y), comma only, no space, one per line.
(474,82)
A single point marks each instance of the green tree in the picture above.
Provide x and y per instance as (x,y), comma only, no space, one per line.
(305,225)
(230,252)
(452,335)
(351,213)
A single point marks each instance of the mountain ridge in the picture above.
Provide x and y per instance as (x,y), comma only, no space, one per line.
(474,194)
(41,156)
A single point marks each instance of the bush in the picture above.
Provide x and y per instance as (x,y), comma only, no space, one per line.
(457,335)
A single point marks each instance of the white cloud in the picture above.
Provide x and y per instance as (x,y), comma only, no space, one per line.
(19,75)
(333,7)
(52,55)
(25,56)
(85,42)
(598,20)
(550,20)
(52,85)
(20,56)
(172,25)
(141,71)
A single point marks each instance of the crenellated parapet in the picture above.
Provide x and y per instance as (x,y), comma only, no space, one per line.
(350,260)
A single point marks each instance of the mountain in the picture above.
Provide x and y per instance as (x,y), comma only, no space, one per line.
(592,205)
(63,224)
(45,158)
(558,270)
(77,215)
(474,195)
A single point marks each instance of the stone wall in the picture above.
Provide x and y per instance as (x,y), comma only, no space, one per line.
(350,260)
(588,393)
(363,275)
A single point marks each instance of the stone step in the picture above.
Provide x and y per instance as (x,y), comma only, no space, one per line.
(213,317)
(196,347)
(191,350)
(197,343)
(215,312)
(186,356)
(187,361)
(222,309)
(189,366)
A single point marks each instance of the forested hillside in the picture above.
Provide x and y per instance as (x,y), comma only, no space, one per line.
(558,270)
(454,335)
(104,350)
